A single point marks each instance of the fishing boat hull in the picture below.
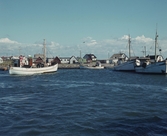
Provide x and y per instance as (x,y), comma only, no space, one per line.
(32,71)
(154,68)
(126,66)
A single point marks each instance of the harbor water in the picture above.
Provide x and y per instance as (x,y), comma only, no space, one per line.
(75,102)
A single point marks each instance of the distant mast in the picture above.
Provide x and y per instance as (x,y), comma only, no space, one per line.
(156,37)
(129,46)
(44,51)
(144,51)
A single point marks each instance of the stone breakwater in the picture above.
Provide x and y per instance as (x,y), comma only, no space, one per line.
(68,66)
(77,66)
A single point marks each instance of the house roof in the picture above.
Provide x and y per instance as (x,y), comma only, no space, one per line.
(73,57)
(90,55)
(38,55)
(118,55)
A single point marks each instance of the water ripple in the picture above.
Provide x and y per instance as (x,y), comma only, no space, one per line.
(83,102)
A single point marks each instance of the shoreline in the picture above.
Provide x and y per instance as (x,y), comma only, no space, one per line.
(60,66)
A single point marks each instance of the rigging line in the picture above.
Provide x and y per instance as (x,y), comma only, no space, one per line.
(133,51)
(50,53)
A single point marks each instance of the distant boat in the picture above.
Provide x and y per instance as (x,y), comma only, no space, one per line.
(97,66)
(31,70)
(126,65)
(154,65)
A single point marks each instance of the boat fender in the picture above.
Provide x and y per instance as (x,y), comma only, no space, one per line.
(137,62)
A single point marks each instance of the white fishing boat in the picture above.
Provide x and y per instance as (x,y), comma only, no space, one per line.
(126,65)
(34,70)
(31,71)
(156,66)
(96,66)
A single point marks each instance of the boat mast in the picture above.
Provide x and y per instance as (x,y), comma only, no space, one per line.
(129,46)
(145,50)
(44,51)
(156,37)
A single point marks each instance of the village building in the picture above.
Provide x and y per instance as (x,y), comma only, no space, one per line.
(68,60)
(5,58)
(38,60)
(55,61)
(73,60)
(64,60)
(1,60)
(38,56)
(90,58)
(119,56)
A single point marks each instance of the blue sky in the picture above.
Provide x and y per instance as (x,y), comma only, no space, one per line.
(103,26)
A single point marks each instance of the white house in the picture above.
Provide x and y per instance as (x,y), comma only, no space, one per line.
(119,56)
(64,60)
(68,60)
(1,60)
(73,60)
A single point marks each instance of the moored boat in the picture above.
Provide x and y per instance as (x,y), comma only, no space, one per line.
(157,65)
(34,70)
(31,71)
(126,65)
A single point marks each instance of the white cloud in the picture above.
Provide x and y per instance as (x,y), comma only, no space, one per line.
(125,37)
(6,40)
(101,48)
(143,39)
(89,41)
(13,48)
